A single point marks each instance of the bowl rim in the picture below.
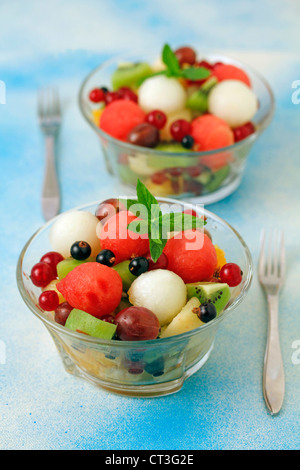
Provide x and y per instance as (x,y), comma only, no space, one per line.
(190,154)
(134,344)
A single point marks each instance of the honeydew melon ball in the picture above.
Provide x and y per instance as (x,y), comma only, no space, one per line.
(161,291)
(73,226)
(233,101)
(163,93)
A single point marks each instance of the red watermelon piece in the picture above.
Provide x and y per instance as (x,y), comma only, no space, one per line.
(120,117)
(124,243)
(230,72)
(211,133)
(93,288)
(192,256)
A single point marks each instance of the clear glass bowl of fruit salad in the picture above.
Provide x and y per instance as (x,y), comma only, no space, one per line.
(184,128)
(132,315)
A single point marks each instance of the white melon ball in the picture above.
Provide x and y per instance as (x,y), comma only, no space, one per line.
(158,65)
(233,101)
(161,291)
(184,113)
(163,93)
(74,226)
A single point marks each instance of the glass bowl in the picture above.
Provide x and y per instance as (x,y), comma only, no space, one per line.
(136,368)
(207,176)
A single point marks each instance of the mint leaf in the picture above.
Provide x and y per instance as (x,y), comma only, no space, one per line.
(170,60)
(156,248)
(178,222)
(195,73)
(145,197)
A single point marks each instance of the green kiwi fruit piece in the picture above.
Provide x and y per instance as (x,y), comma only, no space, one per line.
(217,179)
(130,75)
(127,277)
(68,264)
(215,292)
(83,322)
(162,162)
(198,101)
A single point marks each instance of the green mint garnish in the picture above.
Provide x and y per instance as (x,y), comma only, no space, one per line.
(154,222)
(174,70)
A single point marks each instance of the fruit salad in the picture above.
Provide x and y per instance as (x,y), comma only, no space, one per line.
(180,104)
(131,272)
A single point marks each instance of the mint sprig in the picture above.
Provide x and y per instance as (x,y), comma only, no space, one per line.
(173,68)
(155,223)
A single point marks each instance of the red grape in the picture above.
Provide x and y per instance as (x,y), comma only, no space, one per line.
(137,324)
(161,263)
(185,55)
(41,274)
(231,274)
(108,208)
(62,312)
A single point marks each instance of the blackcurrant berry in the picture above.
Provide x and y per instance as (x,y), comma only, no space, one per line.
(106,257)
(138,266)
(187,142)
(207,312)
(80,250)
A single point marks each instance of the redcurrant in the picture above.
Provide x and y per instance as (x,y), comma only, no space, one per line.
(231,274)
(179,129)
(157,118)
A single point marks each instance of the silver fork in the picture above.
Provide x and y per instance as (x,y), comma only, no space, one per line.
(50,118)
(271,273)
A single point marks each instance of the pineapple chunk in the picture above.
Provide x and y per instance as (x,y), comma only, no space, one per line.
(185,320)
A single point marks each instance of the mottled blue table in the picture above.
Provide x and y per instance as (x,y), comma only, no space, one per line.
(222,406)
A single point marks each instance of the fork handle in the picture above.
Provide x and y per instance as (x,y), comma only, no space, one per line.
(273,377)
(50,192)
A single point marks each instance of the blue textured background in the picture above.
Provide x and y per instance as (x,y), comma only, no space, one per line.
(221,407)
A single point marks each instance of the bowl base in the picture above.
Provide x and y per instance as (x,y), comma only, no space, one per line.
(146,391)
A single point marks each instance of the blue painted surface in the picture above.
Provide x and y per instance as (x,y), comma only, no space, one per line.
(221,407)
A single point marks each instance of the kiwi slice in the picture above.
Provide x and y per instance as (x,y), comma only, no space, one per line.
(68,264)
(83,322)
(198,101)
(205,177)
(127,277)
(161,162)
(123,304)
(215,292)
(218,177)
(130,75)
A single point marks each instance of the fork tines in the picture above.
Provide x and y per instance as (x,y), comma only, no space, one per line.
(272,255)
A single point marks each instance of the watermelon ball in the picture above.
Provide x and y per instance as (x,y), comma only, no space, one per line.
(93,288)
(210,132)
(230,72)
(233,101)
(124,243)
(120,117)
(191,255)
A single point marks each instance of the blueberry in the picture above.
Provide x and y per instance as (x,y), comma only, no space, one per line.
(106,257)
(156,367)
(80,250)
(187,142)
(138,266)
(207,312)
